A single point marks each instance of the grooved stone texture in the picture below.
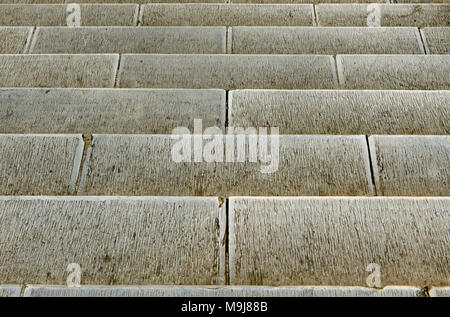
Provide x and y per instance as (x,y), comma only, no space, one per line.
(13,39)
(419,15)
(305,165)
(325,40)
(77,71)
(437,40)
(227,14)
(411,165)
(342,111)
(114,240)
(168,40)
(57,14)
(406,72)
(89,111)
(224,291)
(227,71)
(332,241)
(39,164)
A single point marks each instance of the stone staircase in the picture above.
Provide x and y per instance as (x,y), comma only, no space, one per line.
(358,202)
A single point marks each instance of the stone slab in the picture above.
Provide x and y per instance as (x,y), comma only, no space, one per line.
(13,39)
(39,164)
(115,241)
(10,290)
(158,40)
(411,165)
(325,40)
(332,241)
(213,291)
(227,14)
(405,72)
(437,40)
(440,292)
(307,165)
(88,111)
(342,111)
(74,71)
(419,15)
(227,71)
(56,14)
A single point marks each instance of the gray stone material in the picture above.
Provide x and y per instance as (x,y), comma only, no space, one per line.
(437,40)
(440,292)
(406,72)
(56,14)
(222,291)
(332,241)
(411,165)
(325,40)
(227,14)
(10,291)
(390,14)
(115,241)
(307,165)
(342,111)
(158,40)
(227,71)
(88,111)
(13,39)
(39,164)
(75,71)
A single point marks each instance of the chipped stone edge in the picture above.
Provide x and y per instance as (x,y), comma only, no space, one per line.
(76,165)
(425,43)
(373,159)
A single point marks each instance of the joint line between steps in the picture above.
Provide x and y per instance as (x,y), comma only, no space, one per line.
(87,139)
(116,77)
(315,21)
(372,175)
(29,40)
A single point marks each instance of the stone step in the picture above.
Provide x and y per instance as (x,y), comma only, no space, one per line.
(128,241)
(390,14)
(342,111)
(77,71)
(406,72)
(149,165)
(227,14)
(88,111)
(14,39)
(227,71)
(57,14)
(437,40)
(10,290)
(411,165)
(39,164)
(222,291)
(325,40)
(159,40)
(339,241)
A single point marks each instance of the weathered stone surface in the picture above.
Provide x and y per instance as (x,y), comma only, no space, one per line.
(332,241)
(223,291)
(307,165)
(440,292)
(56,14)
(227,71)
(88,111)
(406,72)
(77,71)
(227,14)
(13,39)
(437,40)
(165,40)
(10,290)
(390,14)
(325,40)
(411,165)
(39,164)
(342,111)
(114,240)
